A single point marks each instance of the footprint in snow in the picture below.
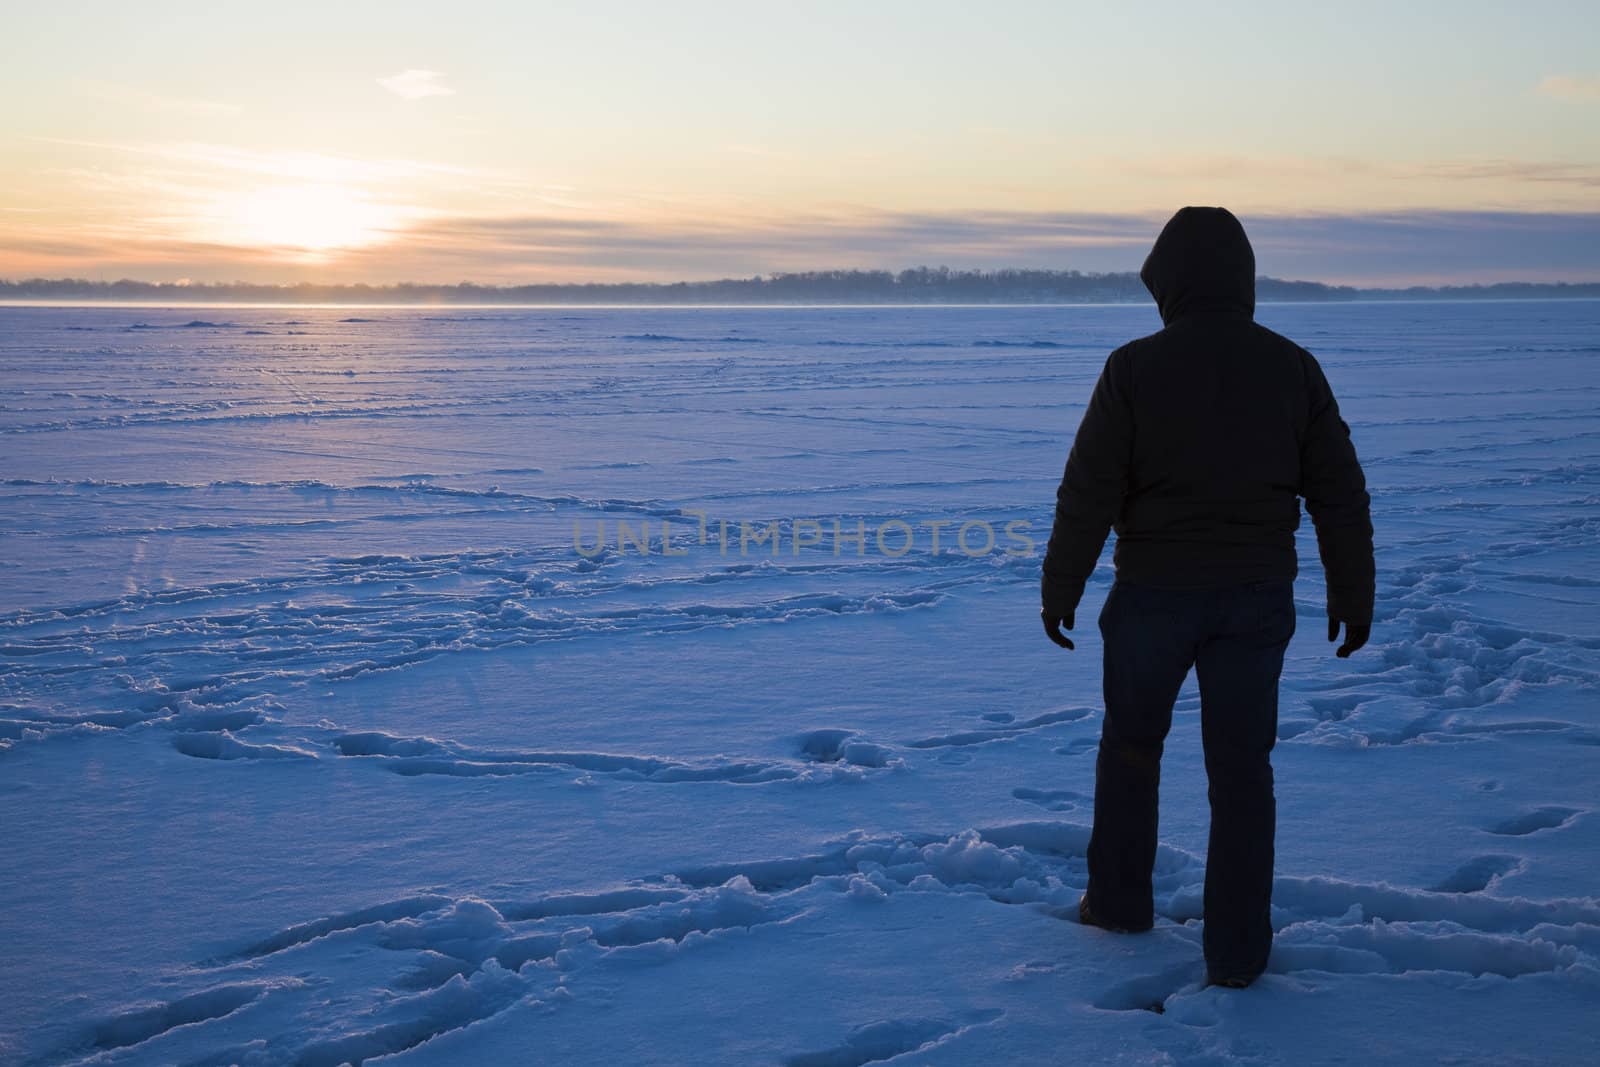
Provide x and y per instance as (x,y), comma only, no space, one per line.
(1546,818)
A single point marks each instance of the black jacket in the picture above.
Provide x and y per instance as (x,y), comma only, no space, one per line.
(1198,440)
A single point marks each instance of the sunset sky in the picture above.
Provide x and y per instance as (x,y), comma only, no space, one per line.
(434,142)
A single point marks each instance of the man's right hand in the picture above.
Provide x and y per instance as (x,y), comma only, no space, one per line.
(1355,635)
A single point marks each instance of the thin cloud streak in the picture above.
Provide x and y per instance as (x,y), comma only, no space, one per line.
(143,99)
(1568,87)
(1579,174)
(303,166)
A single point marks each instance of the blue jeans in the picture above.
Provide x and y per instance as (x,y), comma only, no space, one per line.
(1235,638)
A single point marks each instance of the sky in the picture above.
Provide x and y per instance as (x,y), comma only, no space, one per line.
(1371,144)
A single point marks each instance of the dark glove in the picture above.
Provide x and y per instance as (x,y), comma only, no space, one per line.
(1355,635)
(1053,625)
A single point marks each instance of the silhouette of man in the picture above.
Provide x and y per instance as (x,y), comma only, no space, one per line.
(1195,445)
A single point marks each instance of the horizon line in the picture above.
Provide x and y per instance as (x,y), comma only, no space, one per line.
(928,305)
(948,274)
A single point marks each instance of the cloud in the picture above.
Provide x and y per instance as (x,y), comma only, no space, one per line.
(1568,87)
(1430,247)
(573,247)
(416,84)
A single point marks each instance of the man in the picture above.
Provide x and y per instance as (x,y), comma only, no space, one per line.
(1195,445)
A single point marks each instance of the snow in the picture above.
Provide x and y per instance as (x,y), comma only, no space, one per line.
(326,733)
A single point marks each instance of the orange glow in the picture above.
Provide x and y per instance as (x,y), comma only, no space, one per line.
(306,218)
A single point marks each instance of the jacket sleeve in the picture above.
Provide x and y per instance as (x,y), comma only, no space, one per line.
(1092,489)
(1335,490)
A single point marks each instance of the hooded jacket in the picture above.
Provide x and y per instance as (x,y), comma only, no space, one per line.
(1198,441)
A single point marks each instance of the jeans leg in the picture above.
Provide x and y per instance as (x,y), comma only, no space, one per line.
(1238,666)
(1149,648)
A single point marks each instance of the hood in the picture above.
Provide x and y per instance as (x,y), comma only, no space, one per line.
(1201,262)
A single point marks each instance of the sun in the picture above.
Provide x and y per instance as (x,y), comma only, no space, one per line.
(308,218)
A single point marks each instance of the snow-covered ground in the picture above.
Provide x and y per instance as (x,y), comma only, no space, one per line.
(323,740)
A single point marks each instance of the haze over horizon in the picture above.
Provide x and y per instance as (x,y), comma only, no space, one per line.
(378,143)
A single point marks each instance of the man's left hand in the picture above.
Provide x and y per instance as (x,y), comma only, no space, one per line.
(1053,625)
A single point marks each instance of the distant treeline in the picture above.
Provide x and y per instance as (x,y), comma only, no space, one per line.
(920,285)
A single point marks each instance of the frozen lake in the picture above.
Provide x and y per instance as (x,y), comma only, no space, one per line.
(329,734)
